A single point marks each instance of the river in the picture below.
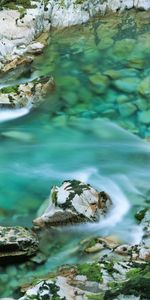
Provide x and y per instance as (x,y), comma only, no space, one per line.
(90,128)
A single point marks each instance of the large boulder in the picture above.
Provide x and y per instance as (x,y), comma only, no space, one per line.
(74,202)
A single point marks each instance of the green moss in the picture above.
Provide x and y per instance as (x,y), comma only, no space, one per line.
(91,243)
(140,214)
(133,272)
(79,1)
(137,284)
(54,197)
(91,271)
(95,297)
(9,89)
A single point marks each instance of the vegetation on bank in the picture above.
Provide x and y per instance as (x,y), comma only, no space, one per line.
(14,4)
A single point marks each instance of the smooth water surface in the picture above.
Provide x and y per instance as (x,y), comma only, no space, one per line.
(100,70)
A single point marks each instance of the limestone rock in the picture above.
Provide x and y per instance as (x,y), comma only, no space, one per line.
(74,202)
(27,94)
(35,48)
(17,241)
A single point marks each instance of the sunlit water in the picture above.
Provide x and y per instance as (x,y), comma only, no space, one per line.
(68,137)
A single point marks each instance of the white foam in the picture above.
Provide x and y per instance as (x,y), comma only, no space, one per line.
(10,114)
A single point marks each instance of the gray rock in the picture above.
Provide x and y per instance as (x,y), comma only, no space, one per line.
(17,241)
(74,202)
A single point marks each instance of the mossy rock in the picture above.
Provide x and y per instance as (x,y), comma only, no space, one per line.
(137,284)
(9,89)
(91,271)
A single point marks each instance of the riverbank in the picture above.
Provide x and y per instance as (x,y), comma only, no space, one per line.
(101,73)
(22,25)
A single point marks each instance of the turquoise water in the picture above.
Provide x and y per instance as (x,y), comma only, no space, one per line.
(90,128)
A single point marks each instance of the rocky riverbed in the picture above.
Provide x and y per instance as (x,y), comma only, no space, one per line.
(23,23)
(86,76)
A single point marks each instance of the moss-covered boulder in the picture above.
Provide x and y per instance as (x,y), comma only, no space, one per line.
(74,202)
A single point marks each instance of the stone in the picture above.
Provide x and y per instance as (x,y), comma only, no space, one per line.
(127,85)
(127,109)
(142,104)
(74,202)
(144,117)
(27,94)
(123,48)
(17,241)
(144,87)
(99,82)
(17,62)
(35,48)
(122,99)
(18,135)
(105,43)
(142,4)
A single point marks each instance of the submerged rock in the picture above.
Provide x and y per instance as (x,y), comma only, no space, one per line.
(74,202)
(17,241)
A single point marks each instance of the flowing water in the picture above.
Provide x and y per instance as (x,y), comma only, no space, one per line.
(91,128)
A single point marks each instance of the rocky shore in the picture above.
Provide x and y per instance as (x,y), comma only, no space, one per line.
(117,271)
(21,25)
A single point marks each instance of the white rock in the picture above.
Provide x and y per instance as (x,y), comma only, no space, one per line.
(35,48)
(74,201)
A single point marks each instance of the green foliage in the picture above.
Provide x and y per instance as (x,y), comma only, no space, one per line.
(140,214)
(91,271)
(9,89)
(137,284)
(13,4)
(79,1)
(95,297)
(54,197)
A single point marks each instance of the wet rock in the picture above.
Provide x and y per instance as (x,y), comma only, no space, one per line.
(106,43)
(127,109)
(144,87)
(16,62)
(99,82)
(144,117)
(17,241)
(74,202)
(26,94)
(142,104)
(94,245)
(123,48)
(122,99)
(136,252)
(127,85)
(97,280)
